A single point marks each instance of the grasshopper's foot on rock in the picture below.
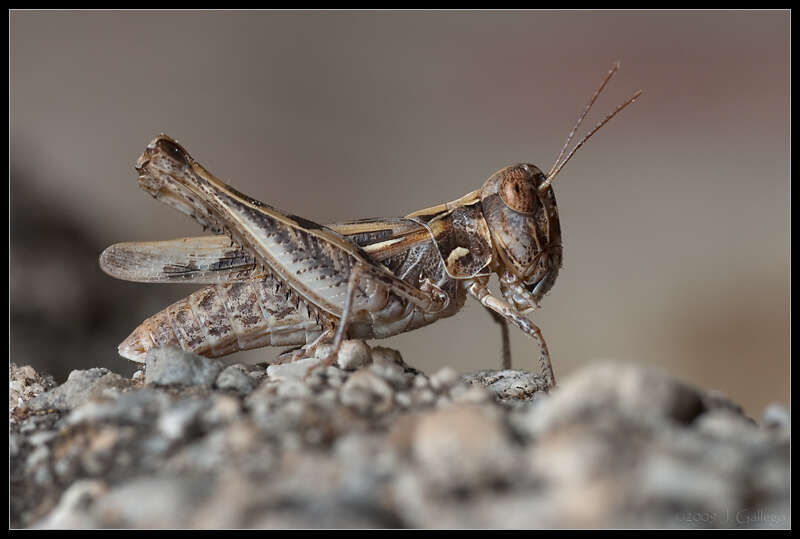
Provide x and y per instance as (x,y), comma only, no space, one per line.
(290,355)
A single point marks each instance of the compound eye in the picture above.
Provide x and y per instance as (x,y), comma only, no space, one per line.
(174,151)
(519,192)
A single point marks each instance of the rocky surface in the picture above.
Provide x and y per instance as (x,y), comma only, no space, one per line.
(371,442)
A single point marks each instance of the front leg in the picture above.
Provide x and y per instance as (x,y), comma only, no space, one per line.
(506,347)
(479,290)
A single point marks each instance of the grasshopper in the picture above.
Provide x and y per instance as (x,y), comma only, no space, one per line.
(276,279)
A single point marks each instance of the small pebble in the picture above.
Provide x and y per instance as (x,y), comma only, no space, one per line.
(367,393)
(80,387)
(776,416)
(444,379)
(384,355)
(170,366)
(353,355)
(421,381)
(235,378)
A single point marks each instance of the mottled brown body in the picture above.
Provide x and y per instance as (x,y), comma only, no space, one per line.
(253,310)
(282,280)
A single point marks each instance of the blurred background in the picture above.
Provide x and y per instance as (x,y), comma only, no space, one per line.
(675,217)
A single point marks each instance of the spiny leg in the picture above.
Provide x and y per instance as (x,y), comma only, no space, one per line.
(480,291)
(344,321)
(506,350)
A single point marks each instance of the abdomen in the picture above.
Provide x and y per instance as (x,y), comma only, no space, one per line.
(225,318)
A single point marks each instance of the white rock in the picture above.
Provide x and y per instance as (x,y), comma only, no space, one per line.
(353,355)
(296,370)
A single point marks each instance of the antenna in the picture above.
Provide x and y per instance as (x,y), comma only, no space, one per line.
(607,78)
(559,163)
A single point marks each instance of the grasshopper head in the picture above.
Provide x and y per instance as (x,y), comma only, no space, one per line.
(520,210)
(526,233)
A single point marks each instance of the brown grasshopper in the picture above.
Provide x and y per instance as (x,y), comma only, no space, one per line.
(281,280)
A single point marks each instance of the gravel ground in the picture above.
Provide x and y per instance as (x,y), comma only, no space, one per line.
(373,443)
